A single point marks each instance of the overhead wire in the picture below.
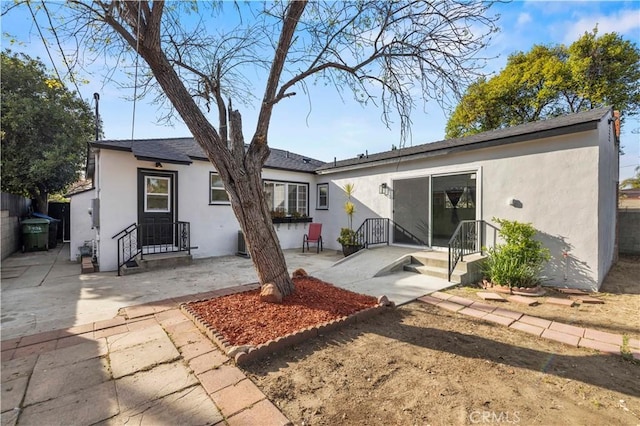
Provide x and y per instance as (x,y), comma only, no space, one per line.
(44,41)
(135,78)
(64,57)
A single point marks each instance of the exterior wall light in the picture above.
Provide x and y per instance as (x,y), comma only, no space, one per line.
(383,189)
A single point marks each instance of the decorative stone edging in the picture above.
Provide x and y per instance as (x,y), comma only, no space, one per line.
(536,291)
(246,353)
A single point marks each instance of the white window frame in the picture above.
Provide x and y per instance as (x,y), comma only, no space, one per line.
(304,203)
(217,188)
(168,194)
(319,204)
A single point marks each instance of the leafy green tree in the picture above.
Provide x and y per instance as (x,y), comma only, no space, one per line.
(45,130)
(550,81)
(632,182)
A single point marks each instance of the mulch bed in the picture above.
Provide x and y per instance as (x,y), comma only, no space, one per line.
(242,319)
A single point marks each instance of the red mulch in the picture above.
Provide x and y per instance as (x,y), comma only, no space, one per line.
(243,319)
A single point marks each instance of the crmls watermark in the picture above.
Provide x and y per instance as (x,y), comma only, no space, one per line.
(494,417)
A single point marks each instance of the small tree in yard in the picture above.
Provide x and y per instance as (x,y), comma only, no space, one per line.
(45,129)
(388,53)
(520,260)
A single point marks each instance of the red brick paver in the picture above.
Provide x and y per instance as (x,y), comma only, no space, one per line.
(527,328)
(226,375)
(430,300)
(441,295)
(508,313)
(539,322)
(558,336)
(566,328)
(235,398)
(460,300)
(450,306)
(560,302)
(602,336)
(498,319)
(263,413)
(600,346)
(473,312)
(482,307)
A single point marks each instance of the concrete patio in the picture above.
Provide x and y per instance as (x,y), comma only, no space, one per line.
(97,348)
(44,291)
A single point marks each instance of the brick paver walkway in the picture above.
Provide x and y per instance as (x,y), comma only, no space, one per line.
(564,333)
(150,365)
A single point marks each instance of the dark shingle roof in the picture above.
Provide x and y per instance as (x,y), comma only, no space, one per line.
(185,150)
(540,129)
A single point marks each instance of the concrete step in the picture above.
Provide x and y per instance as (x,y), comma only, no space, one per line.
(431,258)
(436,264)
(157,261)
(434,271)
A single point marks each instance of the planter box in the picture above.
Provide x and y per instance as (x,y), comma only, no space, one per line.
(292,219)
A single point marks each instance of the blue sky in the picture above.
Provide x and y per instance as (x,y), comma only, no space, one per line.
(326,125)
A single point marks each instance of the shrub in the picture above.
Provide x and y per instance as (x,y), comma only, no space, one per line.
(520,260)
(347,237)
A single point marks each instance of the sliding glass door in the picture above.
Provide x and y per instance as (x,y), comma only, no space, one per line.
(411,211)
(453,199)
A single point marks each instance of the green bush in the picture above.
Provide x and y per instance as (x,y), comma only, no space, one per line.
(520,260)
(347,237)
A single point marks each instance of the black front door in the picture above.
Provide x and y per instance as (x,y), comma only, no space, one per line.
(156,207)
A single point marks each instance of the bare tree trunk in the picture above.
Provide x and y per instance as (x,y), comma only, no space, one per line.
(241,172)
(41,199)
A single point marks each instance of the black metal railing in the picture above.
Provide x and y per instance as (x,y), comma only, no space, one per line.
(373,231)
(151,238)
(469,238)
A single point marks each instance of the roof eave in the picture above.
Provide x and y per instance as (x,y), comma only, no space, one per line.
(558,131)
(162,160)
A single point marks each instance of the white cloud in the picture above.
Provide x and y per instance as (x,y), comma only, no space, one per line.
(622,22)
(524,18)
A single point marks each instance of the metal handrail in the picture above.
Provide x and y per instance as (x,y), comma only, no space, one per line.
(152,238)
(468,238)
(374,230)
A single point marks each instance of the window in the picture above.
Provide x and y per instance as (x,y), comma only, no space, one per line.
(217,193)
(288,199)
(322,200)
(157,196)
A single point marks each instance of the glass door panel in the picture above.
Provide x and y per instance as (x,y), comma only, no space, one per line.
(453,200)
(411,211)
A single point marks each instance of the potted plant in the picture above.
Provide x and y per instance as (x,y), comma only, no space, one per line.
(348,237)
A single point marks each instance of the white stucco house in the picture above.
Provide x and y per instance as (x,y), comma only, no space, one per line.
(559,174)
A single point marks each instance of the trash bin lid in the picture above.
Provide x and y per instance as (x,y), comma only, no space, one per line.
(35,222)
(44,216)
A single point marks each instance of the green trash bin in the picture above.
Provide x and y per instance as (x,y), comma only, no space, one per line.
(35,234)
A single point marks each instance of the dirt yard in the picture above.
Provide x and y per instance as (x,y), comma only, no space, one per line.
(422,365)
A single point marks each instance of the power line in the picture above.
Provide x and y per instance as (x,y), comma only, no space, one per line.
(64,58)
(44,41)
(135,82)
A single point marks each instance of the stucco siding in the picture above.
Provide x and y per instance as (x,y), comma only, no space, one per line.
(608,166)
(81,230)
(214,228)
(553,180)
